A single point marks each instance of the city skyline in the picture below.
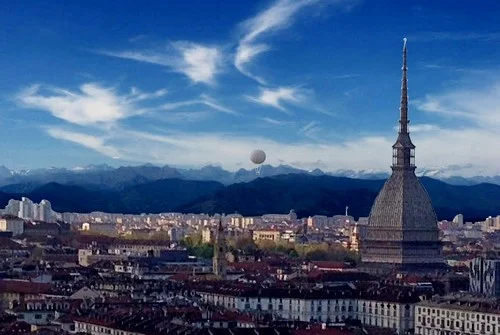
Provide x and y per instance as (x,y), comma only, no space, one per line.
(304,81)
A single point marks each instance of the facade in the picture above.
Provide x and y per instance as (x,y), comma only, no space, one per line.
(13,224)
(354,237)
(45,211)
(219,260)
(108,229)
(28,210)
(20,291)
(291,216)
(87,257)
(457,315)
(484,277)
(402,230)
(391,308)
(207,235)
(266,235)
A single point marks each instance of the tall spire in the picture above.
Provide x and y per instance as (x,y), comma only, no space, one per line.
(403,156)
(403,109)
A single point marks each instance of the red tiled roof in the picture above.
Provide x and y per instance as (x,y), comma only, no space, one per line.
(24,287)
(330,265)
(251,266)
(7,244)
(319,331)
(182,276)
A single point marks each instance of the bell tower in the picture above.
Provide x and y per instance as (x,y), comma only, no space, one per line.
(219,259)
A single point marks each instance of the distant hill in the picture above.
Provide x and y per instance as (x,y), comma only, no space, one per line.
(328,195)
(152,197)
(307,194)
(104,177)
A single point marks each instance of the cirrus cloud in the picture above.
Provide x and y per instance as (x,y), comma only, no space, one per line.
(92,104)
(199,63)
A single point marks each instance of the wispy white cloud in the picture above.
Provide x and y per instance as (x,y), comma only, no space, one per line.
(454,36)
(138,95)
(276,97)
(311,129)
(275,121)
(244,54)
(92,104)
(203,100)
(88,141)
(274,18)
(183,117)
(199,63)
(280,15)
(346,76)
(438,147)
(464,148)
(477,105)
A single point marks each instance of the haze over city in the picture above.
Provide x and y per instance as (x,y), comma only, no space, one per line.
(313,83)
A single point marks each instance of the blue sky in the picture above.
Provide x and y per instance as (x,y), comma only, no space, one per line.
(314,83)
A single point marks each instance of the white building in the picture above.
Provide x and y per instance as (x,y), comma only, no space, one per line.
(45,211)
(12,207)
(25,209)
(458,315)
(389,307)
(458,220)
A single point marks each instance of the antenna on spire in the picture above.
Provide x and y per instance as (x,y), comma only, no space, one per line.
(403,120)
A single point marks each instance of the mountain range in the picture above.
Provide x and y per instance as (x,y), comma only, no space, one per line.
(99,177)
(308,194)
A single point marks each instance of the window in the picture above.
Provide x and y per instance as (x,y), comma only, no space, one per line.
(38,316)
(407,311)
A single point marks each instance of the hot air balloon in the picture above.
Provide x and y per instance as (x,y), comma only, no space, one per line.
(258,157)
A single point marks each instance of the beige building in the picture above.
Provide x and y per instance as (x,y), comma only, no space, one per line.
(12,223)
(108,229)
(458,315)
(87,257)
(207,235)
(266,235)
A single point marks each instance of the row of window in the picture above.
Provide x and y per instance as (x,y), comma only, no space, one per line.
(442,323)
(452,314)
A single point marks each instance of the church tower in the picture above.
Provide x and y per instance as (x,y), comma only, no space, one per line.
(219,260)
(402,229)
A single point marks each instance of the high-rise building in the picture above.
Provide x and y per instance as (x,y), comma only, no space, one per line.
(12,207)
(458,219)
(484,276)
(402,230)
(25,209)
(45,211)
(219,260)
